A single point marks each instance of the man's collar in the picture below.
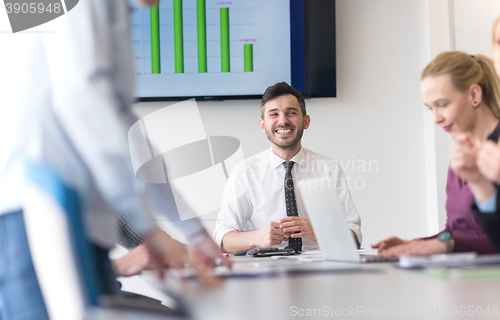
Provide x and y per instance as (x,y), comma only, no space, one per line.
(275,160)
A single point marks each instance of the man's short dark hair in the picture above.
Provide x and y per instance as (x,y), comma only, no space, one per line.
(281,89)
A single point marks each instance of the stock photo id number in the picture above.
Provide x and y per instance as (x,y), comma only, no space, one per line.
(24,14)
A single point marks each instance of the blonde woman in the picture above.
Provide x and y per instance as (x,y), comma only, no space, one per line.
(463,94)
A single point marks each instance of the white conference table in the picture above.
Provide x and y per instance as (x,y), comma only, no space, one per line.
(365,291)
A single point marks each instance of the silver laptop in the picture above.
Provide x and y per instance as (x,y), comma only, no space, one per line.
(329,223)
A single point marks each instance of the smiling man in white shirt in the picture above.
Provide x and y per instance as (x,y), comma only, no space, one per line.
(261,207)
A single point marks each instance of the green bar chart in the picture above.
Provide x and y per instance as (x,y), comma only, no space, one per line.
(198,37)
(155,39)
(224,40)
(186,48)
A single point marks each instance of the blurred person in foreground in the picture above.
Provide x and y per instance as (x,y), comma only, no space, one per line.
(68,102)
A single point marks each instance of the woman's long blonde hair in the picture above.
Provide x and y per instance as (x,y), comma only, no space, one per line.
(466,70)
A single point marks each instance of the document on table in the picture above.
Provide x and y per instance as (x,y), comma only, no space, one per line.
(307,256)
(317,255)
(449,260)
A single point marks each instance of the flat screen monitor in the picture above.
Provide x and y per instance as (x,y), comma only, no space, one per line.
(214,50)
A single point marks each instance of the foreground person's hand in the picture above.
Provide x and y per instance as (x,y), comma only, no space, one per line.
(135,261)
(168,255)
(206,253)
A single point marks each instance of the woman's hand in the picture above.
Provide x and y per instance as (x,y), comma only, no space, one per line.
(389,243)
(415,248)
(464,162)
(463,159)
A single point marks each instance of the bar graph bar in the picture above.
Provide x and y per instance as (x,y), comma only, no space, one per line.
(202,35)
(248,57)
(178,37)
(155,39)
(224,40)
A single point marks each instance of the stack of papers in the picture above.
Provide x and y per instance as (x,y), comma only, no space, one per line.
(307,256)
(449,260)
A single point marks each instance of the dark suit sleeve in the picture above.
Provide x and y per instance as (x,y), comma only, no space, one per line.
(490,222)
(128,237)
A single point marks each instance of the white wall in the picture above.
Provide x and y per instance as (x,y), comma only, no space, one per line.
(436,37)
(377,116)
(473,23)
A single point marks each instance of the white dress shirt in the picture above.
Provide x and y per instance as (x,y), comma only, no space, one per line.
(255,196)
(69,96)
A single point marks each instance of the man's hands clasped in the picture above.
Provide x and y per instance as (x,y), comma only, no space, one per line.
(270,235)
(274,233)
(290,225)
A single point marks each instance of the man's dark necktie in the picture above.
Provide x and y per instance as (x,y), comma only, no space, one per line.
(291,204)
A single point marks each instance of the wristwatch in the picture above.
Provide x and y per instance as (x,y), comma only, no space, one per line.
(445,237)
